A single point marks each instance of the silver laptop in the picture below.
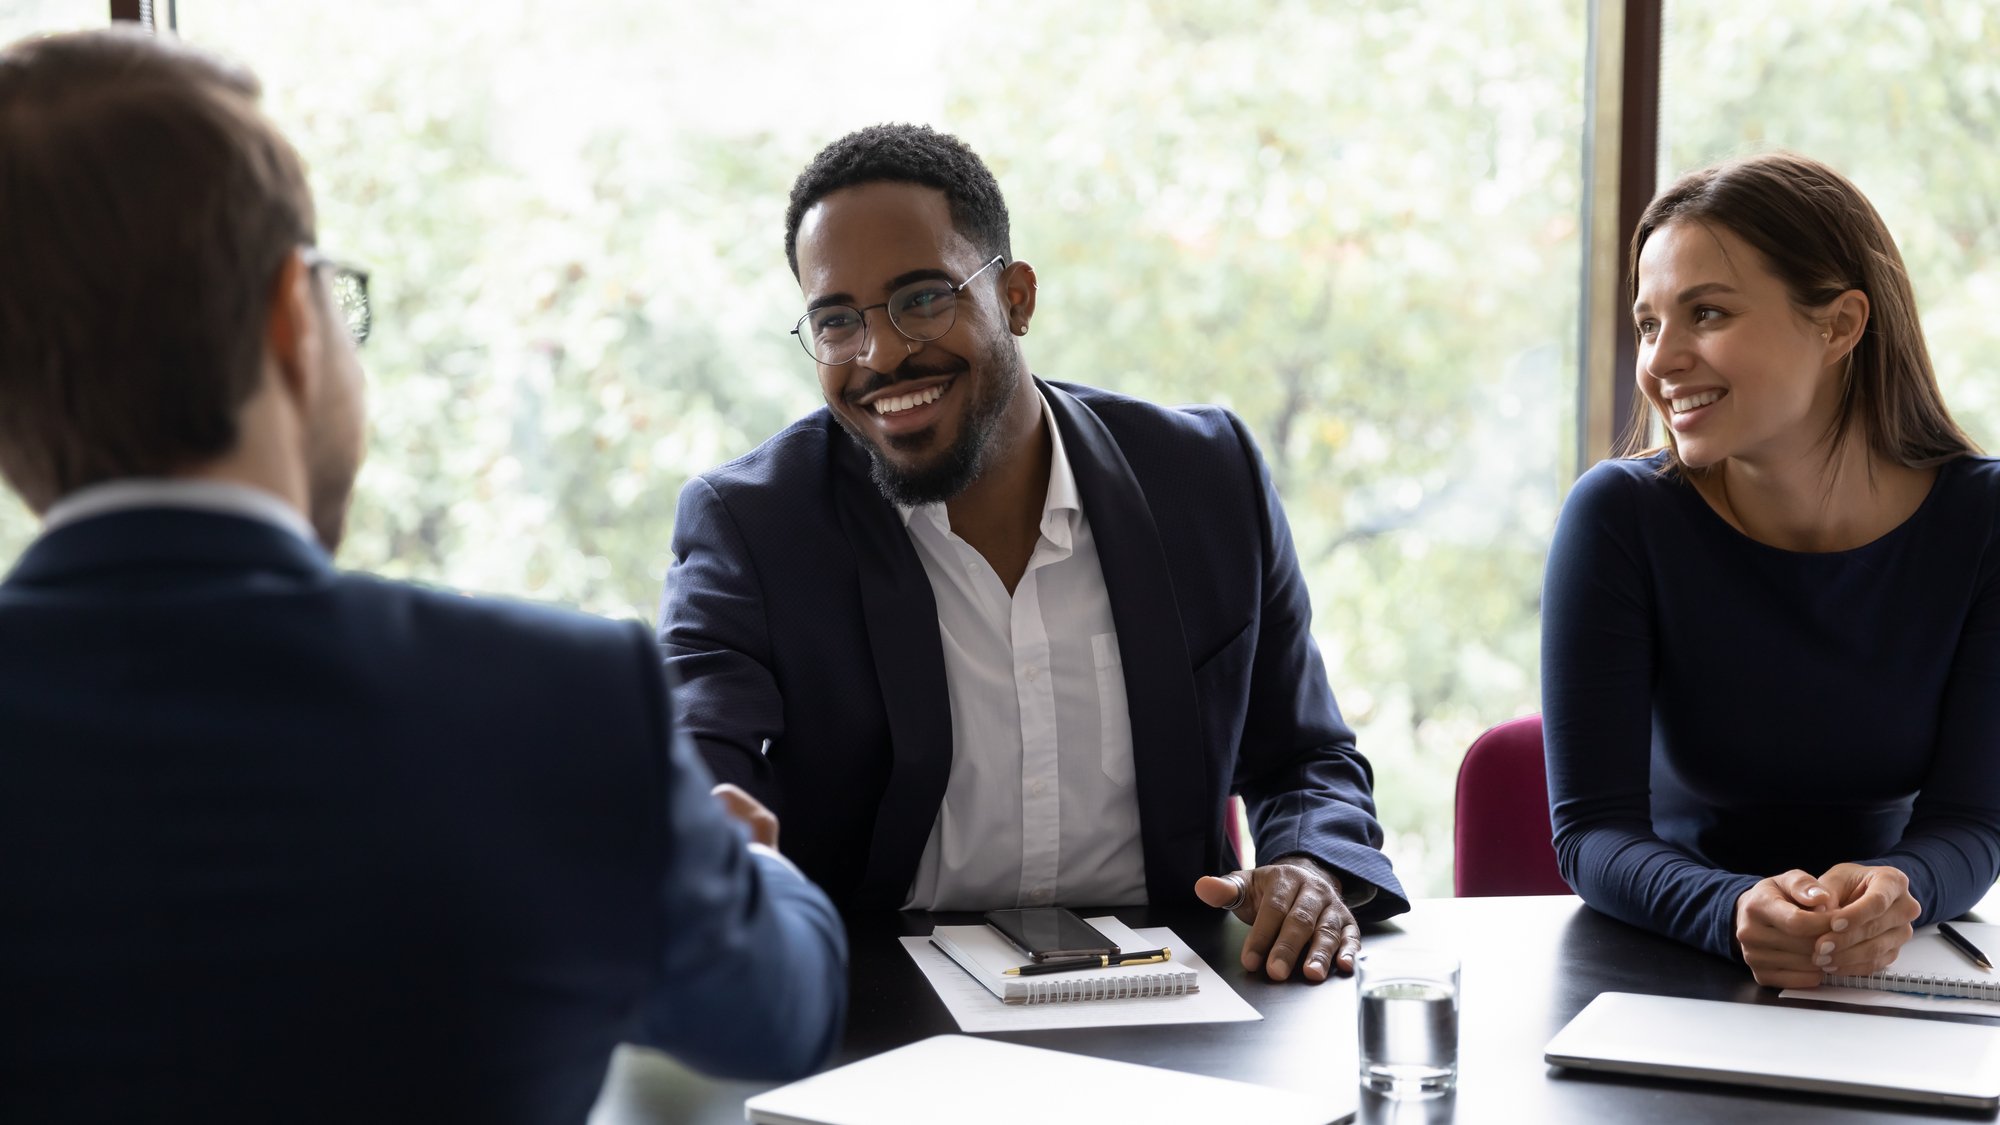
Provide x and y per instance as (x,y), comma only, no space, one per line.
(1872,1056)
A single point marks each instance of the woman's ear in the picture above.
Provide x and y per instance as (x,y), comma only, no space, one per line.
(1846,320)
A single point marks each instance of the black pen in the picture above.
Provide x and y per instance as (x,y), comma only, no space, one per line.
(1101,961)
(1959,943)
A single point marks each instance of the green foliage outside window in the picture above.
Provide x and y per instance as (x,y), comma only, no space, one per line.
(1355,223)
(1903,96)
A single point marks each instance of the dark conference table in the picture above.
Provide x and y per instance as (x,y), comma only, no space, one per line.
(1528,965)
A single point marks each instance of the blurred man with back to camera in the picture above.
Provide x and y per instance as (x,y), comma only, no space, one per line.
(279,842)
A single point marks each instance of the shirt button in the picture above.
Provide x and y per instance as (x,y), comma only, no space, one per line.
(1034,671)
(1037,788)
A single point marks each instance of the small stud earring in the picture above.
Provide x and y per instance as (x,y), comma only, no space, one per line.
(1020,330)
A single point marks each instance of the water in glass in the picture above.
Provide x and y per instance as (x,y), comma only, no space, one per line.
(1409,1036)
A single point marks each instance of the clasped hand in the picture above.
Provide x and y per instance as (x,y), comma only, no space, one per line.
(1295,914)
(749,812)
(1796,930)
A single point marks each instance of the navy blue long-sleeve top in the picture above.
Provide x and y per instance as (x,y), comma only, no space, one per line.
(1717,710)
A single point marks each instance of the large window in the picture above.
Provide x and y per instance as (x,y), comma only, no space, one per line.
(1903,97)
(1354,223)
(20,18)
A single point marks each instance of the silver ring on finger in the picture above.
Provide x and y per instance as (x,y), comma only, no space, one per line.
(1242,890)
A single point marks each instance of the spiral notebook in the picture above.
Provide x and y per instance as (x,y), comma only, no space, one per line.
(1928,964)
(986,957)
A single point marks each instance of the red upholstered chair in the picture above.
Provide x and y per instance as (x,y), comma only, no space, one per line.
(1500,843)
(1236,827)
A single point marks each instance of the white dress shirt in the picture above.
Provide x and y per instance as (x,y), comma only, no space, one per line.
(1040,808)
(176,492)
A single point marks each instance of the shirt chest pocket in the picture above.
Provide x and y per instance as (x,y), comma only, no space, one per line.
(1114,741)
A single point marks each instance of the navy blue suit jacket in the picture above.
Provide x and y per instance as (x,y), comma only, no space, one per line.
(797,611)
(279,843)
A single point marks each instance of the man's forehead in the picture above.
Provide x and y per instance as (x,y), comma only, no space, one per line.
(859,238)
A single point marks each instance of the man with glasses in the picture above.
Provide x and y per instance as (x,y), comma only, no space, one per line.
(279,843)
(985,640)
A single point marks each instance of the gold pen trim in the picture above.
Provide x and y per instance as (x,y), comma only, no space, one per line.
(1105,961)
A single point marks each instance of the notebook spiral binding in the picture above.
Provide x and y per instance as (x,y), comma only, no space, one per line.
(1955,988)
(1110,987)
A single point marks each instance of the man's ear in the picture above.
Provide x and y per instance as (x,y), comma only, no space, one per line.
(1018,287)
(291,327)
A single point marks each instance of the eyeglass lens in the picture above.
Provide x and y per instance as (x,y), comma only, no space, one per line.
(350,294)
(921,310)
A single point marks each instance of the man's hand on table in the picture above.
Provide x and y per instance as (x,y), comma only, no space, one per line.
(1296,917)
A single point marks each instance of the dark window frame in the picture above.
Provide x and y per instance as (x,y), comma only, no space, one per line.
(145,13)
(1620,175)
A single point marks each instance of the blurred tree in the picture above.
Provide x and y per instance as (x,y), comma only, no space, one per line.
(1903,96)
(1352,221)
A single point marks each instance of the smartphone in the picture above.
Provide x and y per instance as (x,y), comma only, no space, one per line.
(1049,933)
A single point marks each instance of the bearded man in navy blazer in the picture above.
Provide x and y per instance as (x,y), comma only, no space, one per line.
(279,843)
(985,640)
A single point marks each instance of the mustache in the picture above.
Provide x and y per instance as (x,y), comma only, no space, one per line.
(909,371)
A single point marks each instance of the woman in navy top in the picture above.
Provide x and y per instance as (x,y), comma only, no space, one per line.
(1771,649)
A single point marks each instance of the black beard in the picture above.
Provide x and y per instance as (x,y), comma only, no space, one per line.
(937,482)
(960,464)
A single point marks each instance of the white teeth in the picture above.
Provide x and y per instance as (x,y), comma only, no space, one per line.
(1683,405)
(909,401)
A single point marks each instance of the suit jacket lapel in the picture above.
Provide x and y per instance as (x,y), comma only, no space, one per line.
(1179,819)
(901,617)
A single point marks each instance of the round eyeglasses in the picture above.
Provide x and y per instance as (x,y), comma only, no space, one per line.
(350,292)
(921,311)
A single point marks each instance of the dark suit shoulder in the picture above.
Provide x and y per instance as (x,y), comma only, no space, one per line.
(329,794)
(1182,428)
(785,461)
(517,670)
(497,625)
(1196,459)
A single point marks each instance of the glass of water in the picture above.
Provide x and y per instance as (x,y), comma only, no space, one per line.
(1409,1021)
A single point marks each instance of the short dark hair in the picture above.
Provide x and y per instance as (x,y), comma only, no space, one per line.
(1822,237)
(146,208)
(913,154)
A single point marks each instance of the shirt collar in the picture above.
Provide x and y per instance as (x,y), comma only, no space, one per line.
(176,492)
(1060,505)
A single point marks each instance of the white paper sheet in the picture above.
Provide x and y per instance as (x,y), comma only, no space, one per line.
(978,1010)
(991,1082)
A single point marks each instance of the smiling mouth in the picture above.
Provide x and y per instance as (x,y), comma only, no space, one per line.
(1694,401)
(896,404)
